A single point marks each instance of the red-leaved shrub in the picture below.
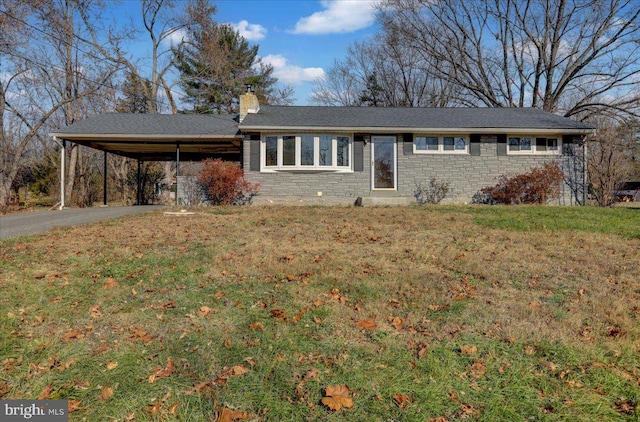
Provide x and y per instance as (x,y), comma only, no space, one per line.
(224,183)
(538,186)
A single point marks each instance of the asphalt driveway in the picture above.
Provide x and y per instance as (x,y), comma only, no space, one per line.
(24,223)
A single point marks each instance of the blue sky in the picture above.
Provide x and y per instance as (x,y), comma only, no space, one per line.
(301,39)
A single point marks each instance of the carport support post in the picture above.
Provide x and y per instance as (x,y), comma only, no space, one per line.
(62,172)
(177,170)
(139,193)
(104,182)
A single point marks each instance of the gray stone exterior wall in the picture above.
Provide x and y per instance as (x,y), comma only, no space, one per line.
(466,174)
(299,187)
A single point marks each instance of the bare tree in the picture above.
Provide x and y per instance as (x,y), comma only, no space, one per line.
(610,162)
(340,86)
(47,79)
(382,72)
(579,58)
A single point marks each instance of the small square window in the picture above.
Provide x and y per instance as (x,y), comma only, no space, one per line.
(447,142)
(420,143)
(432,143)
(460,144)
(514,144)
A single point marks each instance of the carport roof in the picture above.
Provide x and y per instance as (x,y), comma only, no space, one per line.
(153,137)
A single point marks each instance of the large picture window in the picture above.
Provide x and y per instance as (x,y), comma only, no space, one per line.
(532,145)
(306,152)
(432,144)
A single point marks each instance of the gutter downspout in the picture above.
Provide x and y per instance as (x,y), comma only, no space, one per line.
(177,171)
(585,171)
(63,171)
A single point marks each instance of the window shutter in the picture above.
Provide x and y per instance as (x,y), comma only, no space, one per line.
(502,144)
(474,145)
(254,152)
(358,153)
(407,146)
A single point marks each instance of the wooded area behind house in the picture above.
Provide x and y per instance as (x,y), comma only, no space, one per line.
(59,64)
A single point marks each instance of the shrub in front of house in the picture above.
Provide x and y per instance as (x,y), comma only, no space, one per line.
(224,183)
(432,192)
(539,186)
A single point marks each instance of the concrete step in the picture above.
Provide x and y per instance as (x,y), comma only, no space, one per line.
(387,201)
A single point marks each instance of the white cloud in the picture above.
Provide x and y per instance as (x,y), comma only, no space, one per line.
(175,36)
(290,74)
(338,16)
(250,31)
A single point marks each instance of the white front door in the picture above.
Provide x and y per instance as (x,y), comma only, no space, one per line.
(383,162)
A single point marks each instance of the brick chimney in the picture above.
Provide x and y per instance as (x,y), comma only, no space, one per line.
(248,102)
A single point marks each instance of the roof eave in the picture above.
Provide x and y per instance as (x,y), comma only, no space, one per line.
(371,129)
(140,137)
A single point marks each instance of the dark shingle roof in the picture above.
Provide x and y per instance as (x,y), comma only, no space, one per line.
(180,125)
(406,118)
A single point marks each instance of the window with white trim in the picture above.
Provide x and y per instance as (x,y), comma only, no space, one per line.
(533,145)
(432,144)
(306,152)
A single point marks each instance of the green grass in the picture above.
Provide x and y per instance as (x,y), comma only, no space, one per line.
(501,320)
(624,222)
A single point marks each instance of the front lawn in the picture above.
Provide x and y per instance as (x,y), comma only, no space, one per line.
(421,313)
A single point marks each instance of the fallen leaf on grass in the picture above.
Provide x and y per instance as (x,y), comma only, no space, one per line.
(162,372)
(228,415)
(624,406)
(337,397)
(111,365)
(467,410)
(73,405)
(46,392)
(172,409)
(468,350)
(204,311)
(96,312)
(106,393)
(335,294)
(478,369)
(200,387)
(74,334)
(141,335)
(615,332)
(4,388)
(278,314)
(402,400)
(256,326)
(110,283)
(367,324)
(311,375)
(396,322)
(239,370)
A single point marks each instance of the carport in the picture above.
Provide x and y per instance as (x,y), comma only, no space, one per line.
(153,137)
